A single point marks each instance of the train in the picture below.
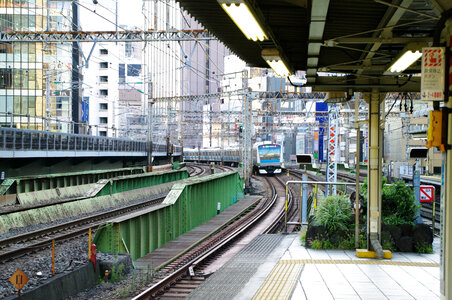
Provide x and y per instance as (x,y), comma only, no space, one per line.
(267,157)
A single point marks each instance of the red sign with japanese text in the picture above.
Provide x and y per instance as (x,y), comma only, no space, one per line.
(426,193)
(433,73)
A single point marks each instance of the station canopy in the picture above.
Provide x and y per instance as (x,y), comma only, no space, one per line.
(357,39)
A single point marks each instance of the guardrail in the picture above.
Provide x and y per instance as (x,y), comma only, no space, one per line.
(13,139)
(26,139)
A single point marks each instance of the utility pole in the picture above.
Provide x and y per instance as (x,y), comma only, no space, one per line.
(47,125)
(75,70)
(247,123)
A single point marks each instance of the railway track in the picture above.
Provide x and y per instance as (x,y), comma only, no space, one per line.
(183,274)
(41,239)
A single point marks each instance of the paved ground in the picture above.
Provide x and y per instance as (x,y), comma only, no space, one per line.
(405,276)
(291,271)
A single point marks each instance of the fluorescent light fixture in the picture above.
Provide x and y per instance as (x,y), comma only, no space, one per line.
(242,16)
(274,60)
(279,67)
(406,60)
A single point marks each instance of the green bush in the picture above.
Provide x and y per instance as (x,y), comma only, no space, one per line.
(347,244)
(334,213)
(317,244)
(397,200)
(423,248)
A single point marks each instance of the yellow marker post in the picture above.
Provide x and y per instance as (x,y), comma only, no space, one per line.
(89,244)
(433,217)
(301,203)
(285,214)
(53,258)
(315,196)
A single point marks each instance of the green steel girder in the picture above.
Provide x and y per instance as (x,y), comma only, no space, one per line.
(189,204)
(43,182)
(126,183)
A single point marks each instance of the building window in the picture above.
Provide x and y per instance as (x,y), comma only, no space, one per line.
(102,133)
(128,50)
(103,78)
(5,78)
(103,120)
(103,51)
(133,70)
(103,65)
(6,47)
(122,73)
(103,106)
(103,92)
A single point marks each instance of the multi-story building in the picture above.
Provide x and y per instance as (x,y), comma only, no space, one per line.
(35,77)
(113,89)
(406,132)
(178,68)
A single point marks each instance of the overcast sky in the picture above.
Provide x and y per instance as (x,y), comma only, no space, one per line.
(102,15)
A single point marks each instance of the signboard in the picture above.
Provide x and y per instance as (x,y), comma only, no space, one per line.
(85,109)
(321,112)
(427,193)
(19,279)
(433,73)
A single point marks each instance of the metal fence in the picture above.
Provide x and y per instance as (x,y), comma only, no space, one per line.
(25,139)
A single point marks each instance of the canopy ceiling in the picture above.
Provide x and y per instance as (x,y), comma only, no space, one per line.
(359,38)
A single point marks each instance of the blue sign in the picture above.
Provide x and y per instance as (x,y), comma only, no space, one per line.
(321,112)
(85,109)
(321,115)
(321,135)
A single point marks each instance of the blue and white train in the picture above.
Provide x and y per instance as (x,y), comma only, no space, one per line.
(267,157)
(228,156)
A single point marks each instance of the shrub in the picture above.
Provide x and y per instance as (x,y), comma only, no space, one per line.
(398,202)
(423,248)
(347,244)
(327,244)
(393,220)
(317,244)
(398,199)
(303,237)
(334,213)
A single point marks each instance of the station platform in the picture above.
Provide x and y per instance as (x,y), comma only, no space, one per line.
(278,267)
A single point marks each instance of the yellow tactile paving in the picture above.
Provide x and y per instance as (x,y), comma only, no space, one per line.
(367,262)
(281,281)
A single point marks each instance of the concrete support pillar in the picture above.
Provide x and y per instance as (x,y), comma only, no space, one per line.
(446,217)
(373,171)
(446,196)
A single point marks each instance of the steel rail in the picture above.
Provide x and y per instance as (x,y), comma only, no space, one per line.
(92,221)
(152,292)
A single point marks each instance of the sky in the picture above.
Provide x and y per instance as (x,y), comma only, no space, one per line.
(101,16)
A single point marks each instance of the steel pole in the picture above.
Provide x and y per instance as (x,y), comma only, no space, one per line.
(374,179)
(446,191)
(357,172)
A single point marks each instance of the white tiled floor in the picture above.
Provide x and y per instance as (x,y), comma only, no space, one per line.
(361,281)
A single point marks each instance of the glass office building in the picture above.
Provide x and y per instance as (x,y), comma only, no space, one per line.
(35,77)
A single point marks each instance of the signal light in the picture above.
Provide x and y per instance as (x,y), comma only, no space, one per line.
(240,128)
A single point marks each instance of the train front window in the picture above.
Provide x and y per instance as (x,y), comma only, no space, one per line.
(269,153)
